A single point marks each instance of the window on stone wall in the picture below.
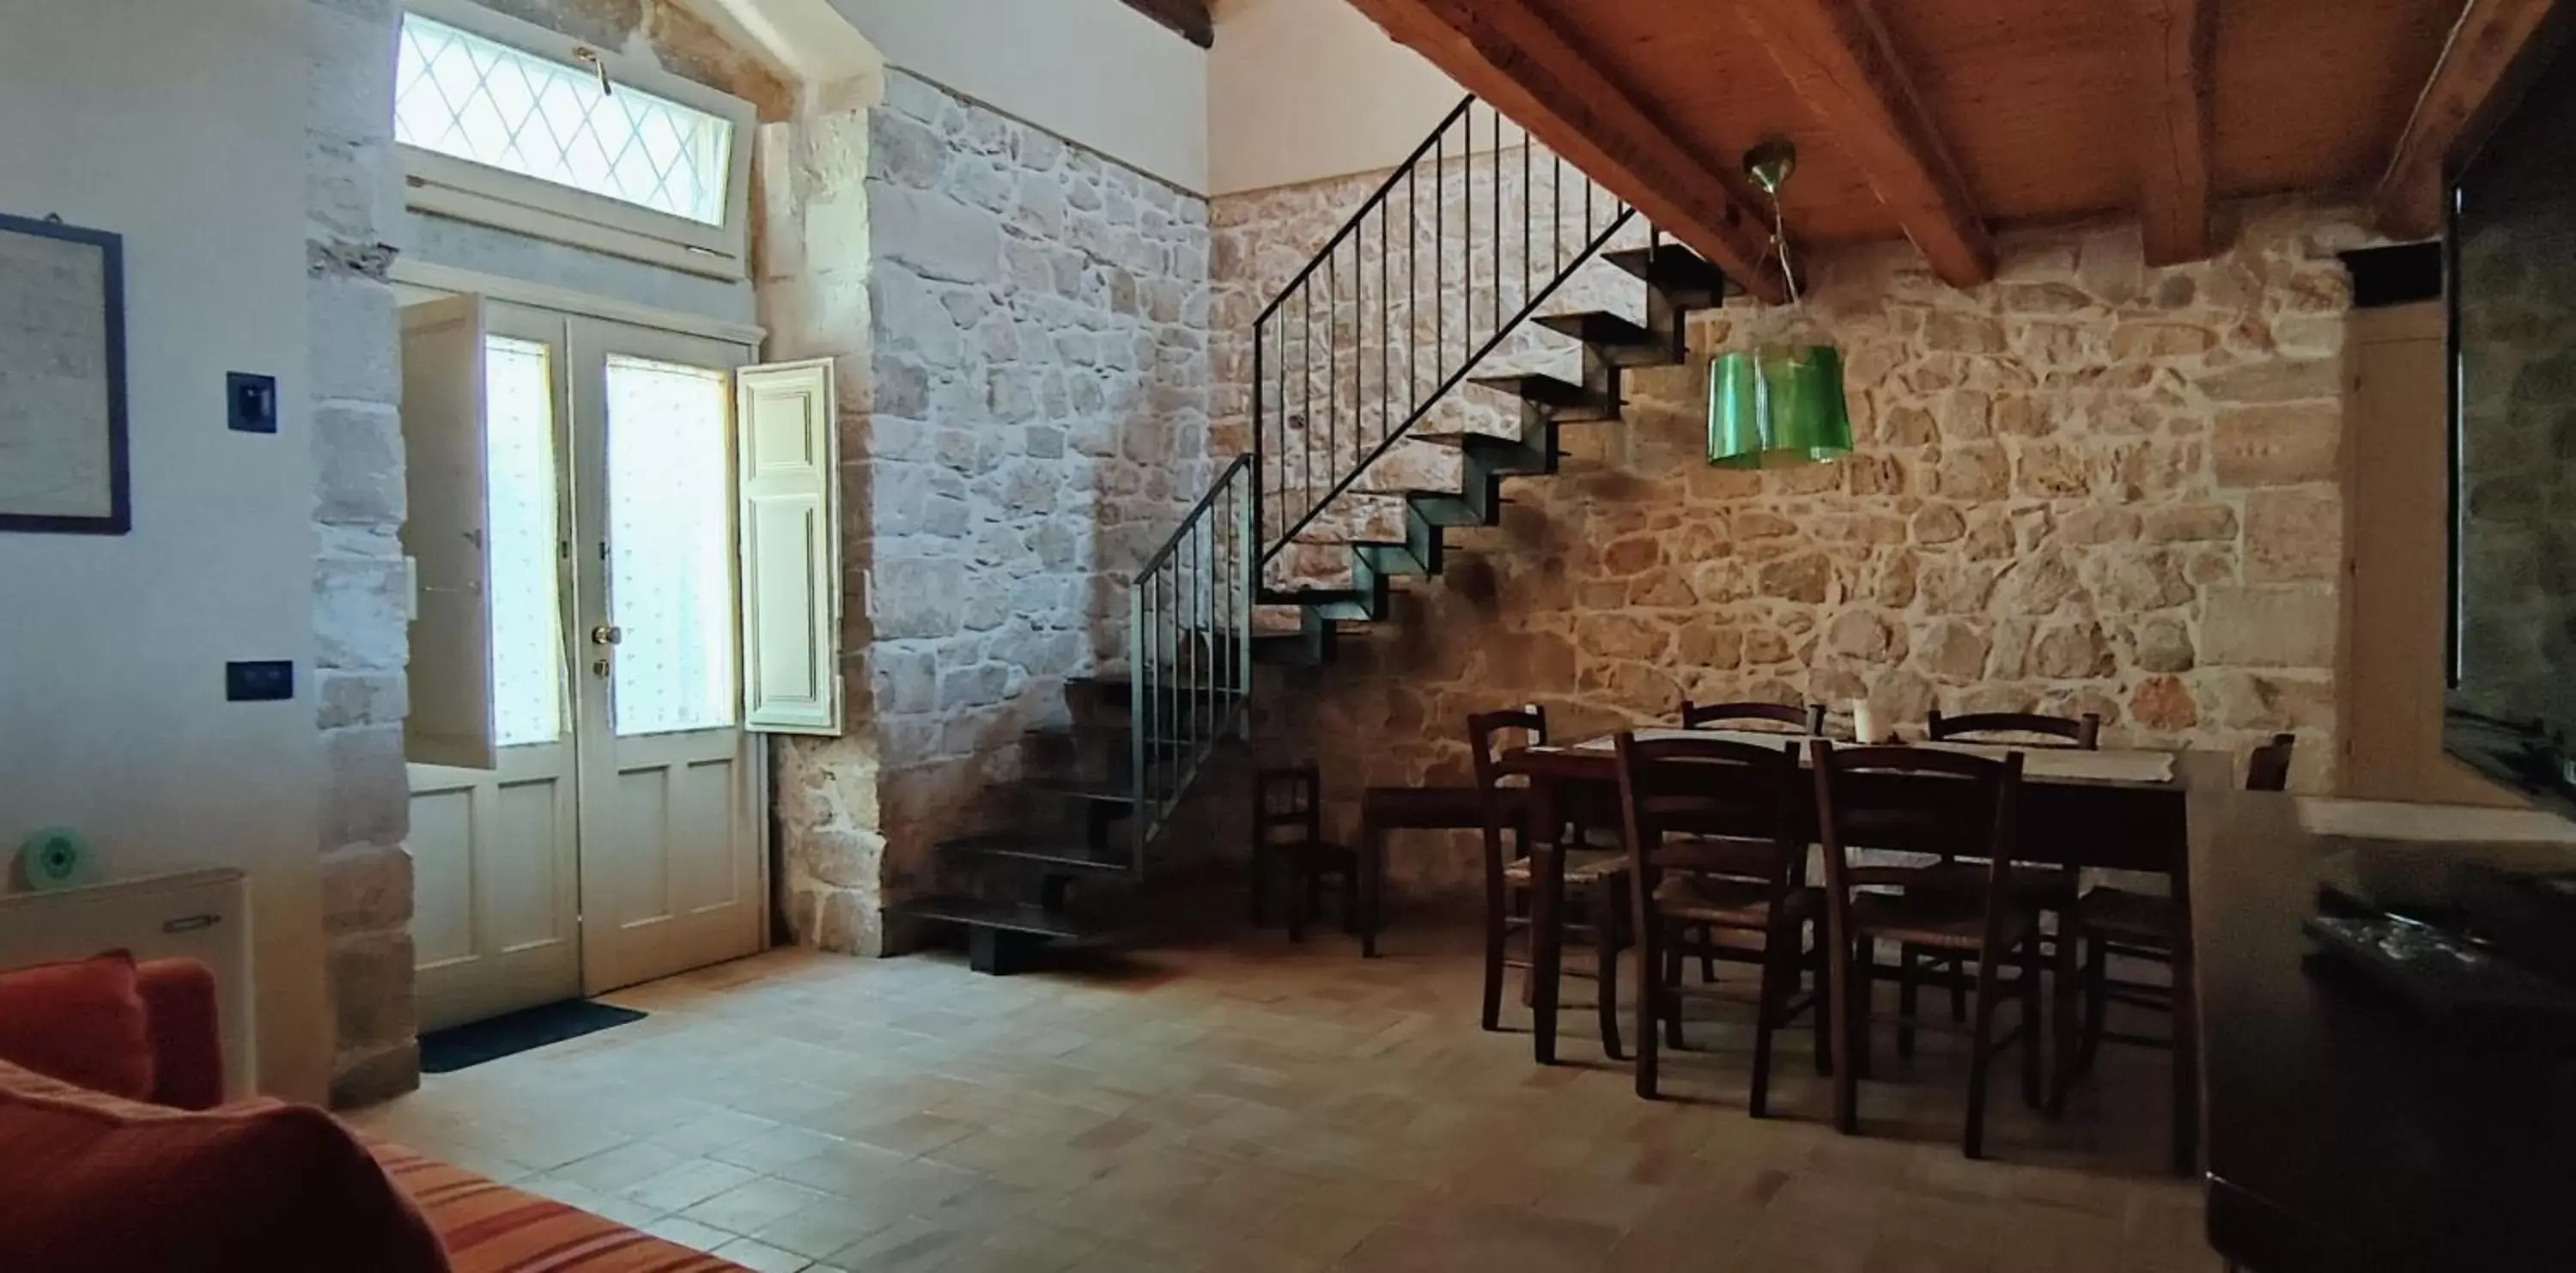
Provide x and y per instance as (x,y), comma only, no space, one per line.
(508,124)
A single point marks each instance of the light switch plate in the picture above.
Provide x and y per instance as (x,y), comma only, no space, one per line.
(259,680)
(250,402)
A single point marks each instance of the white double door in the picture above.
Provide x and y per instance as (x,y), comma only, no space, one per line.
(618,837)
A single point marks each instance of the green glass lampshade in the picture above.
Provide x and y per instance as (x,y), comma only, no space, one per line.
(1777,406)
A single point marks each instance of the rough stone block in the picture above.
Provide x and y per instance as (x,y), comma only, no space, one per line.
(366,1076)
(366,887)
(359,613)
(2278,445)
(358,698)
(366,794)
(370,980)
(2269,626)
(937,235)
(2293,534)
(358,462)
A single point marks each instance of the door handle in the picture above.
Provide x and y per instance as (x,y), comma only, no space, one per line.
(607,634)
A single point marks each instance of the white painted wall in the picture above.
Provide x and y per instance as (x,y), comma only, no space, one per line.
(181,127)
(1093,71)
(1301,90)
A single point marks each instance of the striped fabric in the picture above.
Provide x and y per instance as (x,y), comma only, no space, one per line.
(492,1228)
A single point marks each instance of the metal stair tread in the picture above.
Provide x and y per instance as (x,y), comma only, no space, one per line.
(1084,789)
(1538,387)
(1600,327)
(1055,850)
(1016,917)
(1673,268)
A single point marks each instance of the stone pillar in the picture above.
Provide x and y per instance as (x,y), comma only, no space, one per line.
(358,579)
(1021,329)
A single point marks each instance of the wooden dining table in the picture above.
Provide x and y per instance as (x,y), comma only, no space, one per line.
(2106,810)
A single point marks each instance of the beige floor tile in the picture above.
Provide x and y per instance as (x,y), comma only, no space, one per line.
(1251,1108)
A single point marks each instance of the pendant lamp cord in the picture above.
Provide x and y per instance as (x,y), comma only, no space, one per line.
(1780,246)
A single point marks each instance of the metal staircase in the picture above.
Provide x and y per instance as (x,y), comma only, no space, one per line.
(1373,437)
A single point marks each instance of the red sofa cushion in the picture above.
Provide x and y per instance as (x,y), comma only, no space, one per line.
(82,1022)
(91,1183)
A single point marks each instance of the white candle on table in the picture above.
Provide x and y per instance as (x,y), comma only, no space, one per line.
(1865,721)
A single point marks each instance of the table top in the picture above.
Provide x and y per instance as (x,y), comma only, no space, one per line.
(2142,767)
(2346,1133)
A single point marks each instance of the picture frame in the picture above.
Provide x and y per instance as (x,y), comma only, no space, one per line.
(63,446)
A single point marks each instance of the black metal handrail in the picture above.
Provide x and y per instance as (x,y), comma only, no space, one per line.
(1453,323)
(1189,647)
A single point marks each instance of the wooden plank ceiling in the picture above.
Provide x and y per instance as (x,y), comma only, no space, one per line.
(1947,120)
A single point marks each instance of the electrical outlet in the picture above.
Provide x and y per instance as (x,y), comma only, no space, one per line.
(250,402)
(259,681)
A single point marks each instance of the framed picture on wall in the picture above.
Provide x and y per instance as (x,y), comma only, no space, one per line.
(62,379)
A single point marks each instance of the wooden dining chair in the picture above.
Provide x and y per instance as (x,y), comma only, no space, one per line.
(2051,889)
(1593,877)
(2083,731)
(1288,842)
(1744,894)
(1988,923)
(2109,923)
(1809,717)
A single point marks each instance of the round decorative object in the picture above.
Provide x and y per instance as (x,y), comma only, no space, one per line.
(56,858)
(1770,163)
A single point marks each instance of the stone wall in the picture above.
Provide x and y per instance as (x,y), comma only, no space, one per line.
(2088,486)
(1021,326)
(358,581)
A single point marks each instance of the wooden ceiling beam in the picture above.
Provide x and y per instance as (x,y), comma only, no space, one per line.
(1837,58)
(2483,45)
(1189,17)
(1510,55)
(2177,42)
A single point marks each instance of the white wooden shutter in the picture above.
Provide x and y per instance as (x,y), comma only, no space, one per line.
(447,534)
(791,548)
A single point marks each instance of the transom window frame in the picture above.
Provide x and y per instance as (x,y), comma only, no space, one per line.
(463,190)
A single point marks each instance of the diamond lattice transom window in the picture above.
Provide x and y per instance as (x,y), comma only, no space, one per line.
(460,94)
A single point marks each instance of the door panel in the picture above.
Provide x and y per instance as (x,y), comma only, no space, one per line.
(668,774)
(496,916)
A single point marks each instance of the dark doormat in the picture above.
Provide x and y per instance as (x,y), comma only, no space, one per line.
(456,1047)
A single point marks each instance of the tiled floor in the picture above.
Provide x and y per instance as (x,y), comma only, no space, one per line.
(1252,1107)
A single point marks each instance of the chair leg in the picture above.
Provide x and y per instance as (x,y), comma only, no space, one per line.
(1671,971)
(1779,985)
(1958,989)
(2033,1089)
(1256,903)
(2097,1007)
(1981,1053)
(1492,1017)
(2066,1016)
(1608,898)
(1864,1004)
(1819,1002)
(1847,1024)
(1653,998)
(1909,1000)
(1708,957)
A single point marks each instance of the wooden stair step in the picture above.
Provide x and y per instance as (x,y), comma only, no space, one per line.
(1009,917)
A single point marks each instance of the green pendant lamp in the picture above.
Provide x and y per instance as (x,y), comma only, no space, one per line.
(1777,405)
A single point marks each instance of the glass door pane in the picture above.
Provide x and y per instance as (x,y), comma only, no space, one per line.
(522,486)
(670,546)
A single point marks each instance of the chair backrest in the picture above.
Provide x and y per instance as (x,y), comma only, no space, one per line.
(1810,717)
(1485,748)
(2269,770)
(1978,797)
(1705,786)
(2079,731)
(1288,805)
